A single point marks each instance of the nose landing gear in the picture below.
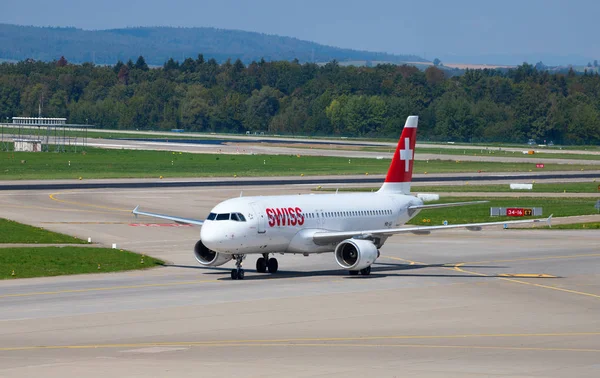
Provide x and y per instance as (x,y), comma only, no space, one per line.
(238,272)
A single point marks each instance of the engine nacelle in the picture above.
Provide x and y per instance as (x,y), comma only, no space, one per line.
(207,257)
(356,254)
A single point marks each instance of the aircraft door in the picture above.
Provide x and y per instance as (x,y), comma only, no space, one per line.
(261,220)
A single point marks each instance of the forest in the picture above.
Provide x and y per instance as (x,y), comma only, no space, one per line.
(289,98)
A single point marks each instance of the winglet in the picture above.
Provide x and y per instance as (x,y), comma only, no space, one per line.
(134,211)
(549,221)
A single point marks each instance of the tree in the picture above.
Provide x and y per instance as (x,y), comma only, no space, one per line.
(195,111)
(171,65)
(57,106)
(62,62)
(335,114)
(124,74)
(117,67)
(434,75)
(140,64)
(261,107)
(540,66)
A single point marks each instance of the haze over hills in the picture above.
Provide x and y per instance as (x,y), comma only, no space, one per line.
(158,44)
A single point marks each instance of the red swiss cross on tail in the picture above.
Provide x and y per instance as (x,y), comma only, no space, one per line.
(399,175)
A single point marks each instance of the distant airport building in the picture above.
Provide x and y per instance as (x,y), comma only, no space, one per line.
(38,121)
(34,134)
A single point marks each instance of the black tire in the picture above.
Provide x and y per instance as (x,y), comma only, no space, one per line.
(234,274)
(366,271)
(272,265)
(261,265)
(240,274)
(353,272)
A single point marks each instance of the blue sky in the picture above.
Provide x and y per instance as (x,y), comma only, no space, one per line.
(501,32)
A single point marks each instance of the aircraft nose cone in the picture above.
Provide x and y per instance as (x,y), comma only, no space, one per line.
(208,235)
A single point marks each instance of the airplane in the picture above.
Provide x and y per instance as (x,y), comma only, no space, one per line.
(354,226)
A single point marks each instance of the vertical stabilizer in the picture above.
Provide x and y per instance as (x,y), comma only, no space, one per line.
(399,175)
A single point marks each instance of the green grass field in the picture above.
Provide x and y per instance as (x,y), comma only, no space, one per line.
(559,207)
(576,226)
(56,261)
(102,163)
(14,232)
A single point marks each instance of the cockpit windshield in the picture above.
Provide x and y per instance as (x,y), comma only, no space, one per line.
(237,217)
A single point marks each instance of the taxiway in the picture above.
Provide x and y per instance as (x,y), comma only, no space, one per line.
(453,304)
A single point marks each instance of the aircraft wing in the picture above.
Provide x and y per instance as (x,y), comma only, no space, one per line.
(325,237)
(168,217)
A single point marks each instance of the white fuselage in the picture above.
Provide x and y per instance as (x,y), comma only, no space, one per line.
(286,224)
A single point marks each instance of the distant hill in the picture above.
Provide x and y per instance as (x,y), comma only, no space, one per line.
(158,44)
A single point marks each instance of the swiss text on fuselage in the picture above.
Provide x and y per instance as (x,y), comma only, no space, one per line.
(285,216)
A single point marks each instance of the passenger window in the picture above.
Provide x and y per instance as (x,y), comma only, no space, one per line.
(224,216)
(211,216)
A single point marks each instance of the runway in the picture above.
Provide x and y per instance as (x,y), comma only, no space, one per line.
(356,180)
(453,304)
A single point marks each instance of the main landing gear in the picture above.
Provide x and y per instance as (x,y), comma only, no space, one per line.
(238,272)
(265,263)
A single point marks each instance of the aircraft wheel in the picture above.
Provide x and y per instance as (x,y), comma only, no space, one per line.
(234,274)
(240,274)
(353,272)
(261,265)
(366,271)
(273,265)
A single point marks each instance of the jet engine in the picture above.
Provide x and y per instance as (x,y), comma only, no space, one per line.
(356,254)
(207,257)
